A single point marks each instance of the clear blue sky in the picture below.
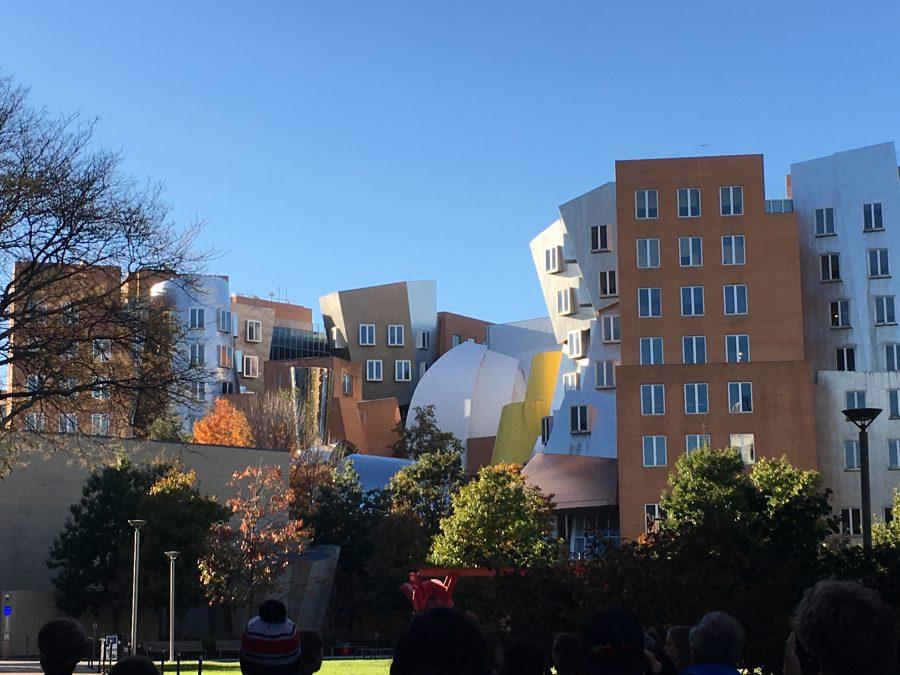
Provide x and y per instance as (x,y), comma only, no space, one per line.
(339,144)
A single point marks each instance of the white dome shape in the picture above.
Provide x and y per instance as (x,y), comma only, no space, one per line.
(468,387)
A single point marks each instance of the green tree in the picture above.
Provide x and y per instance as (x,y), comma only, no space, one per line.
(424,436)
(888,534)
(167,427)
(497,521)
(426,488)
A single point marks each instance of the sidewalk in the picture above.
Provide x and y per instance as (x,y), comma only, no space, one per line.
(26,667)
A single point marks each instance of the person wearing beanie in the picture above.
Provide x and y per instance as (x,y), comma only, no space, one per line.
(612,643)
(270,644)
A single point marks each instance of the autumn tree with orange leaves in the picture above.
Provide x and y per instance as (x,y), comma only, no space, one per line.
(223,425)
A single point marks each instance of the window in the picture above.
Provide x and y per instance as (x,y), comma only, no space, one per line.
(824,222)
(224,321)
(878,263)
(395,335)
(226,356)
(830,266)
(553,260)
(254,331)
(851,522)
(733,250)
(851,455)
(33,383)
(347,384)
(894,453)
(251,366)
(872,219)
(100,424)
(646,204)
(892,357)
(653,399)
(611,328)
(652,515)
(227,388)
(571,381)
(100,392)
(423,368)
(840,313)
(690,250)
(651,351)
(373,370)
(855,399)
(745,444)
(696,399)
(578,418)
(894,400)
(692,301)
(737,348)
(366,334)
(102,350)
(845,358)
(654,450)
(68,423)
(736,299)
(688,202)
(740,397)
(693,349)
(198,354)
(455,340)
(196,317)
(731,200)
(649,302)
(575,341)
(565,301)
(402,370)
(884,310)
(605,374)
(198,391)
(599,238)
(424,339)
(696,442)
(647,253)
(608,284)
(546,428)
(34,421)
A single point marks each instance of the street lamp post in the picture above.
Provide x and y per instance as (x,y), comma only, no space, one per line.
(137,525)
(172,555)
(863,418)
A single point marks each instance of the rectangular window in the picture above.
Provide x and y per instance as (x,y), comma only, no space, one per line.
(692,301)
(746,445)
(224,321)
(196,317)
(366,334)
(647,253)
(565,301)
(690,251)
(610,325)
(33,383)
(840,313)
(605,374)
(878,263)
(736,299)
(198,391)
(599,238)
(894,400)
(851,455)
(646,204)
(68,423)
(102,350)
(373,370)
(653,399)
(198,354)
(654,450)
(546,429)
(688,202)
(100,424)
(254,331)
(424,339)
(737,348)
(693,349)
(649,302)
(731,200)
(455,340)
(740,397)
(227,388)
(651,351)
(34,421)
(696,442)
(553,257)
(845,358)
(653,514)
(226,356)
(251,366)
(824,222)
(894,453)
(423,368)
(696,398)
(578,419)
(884,310)
(830,267)
(575,341)
(395,336)
(851,522)
(733,250)
(571,381)
(872,219)
(608,284)
(100,392)
(403,370)
(855,399)
(892,357)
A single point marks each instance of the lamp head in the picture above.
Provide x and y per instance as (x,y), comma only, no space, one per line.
(137,524)
(173,554)
(862,417)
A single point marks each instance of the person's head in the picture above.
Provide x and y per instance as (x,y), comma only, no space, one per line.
(523,658)
(62,643)
(310,652)
(717,638)
(273,611)
(678,646)
(612,643)
(441,641)
(270,643)
(847,628)
(134,665)
(566,654)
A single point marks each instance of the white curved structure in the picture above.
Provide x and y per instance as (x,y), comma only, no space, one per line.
(468,387)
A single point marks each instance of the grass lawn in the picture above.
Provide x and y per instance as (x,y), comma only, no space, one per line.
(330,667)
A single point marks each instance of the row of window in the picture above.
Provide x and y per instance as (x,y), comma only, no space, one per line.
(851,454)
(693,301)
(402,370)
(693,349)
(731,202)
(249,364)
(68,423)
(873,219)
(696,398)
(845,358)
(851,520)
(34,383)
(197,319)
(654,448)
(395,336)
(884,312)
(878,265)
(857,399)
(690,251)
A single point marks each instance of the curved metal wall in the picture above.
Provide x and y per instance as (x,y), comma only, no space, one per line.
(312,389)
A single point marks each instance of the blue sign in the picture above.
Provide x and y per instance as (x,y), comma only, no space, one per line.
(7,610)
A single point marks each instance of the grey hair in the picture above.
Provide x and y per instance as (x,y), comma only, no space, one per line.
(717,638)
